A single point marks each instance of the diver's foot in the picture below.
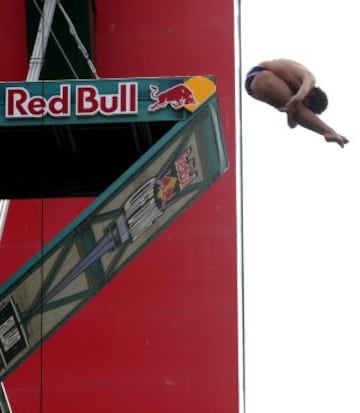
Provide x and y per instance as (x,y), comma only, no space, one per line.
(291,122)
(340,140)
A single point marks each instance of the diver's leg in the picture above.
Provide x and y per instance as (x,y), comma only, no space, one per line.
(270,89)
(309,120)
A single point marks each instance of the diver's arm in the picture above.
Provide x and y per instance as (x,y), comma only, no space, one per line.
(307,84)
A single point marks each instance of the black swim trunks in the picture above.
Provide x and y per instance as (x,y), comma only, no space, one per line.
(250,77)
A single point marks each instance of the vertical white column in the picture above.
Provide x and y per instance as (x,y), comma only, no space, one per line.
(4,206)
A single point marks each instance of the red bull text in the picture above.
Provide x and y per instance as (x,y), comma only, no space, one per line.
(88,102)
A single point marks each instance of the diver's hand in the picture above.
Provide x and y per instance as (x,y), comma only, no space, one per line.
(291,105)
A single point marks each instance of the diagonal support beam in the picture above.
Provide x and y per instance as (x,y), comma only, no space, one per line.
(42,37)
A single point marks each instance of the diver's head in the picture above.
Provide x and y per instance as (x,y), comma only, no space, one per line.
(316,100)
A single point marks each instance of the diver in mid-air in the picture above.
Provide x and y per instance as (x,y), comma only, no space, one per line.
(290,87)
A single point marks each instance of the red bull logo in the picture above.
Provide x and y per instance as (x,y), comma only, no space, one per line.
(177,97)
(166,188)
(185,169)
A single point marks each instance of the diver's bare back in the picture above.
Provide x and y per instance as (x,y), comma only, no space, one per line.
(290,71)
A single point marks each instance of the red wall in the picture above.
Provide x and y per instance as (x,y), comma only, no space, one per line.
(162,336)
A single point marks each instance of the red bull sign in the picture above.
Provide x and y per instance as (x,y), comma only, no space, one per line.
(102,101)
(88,102)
